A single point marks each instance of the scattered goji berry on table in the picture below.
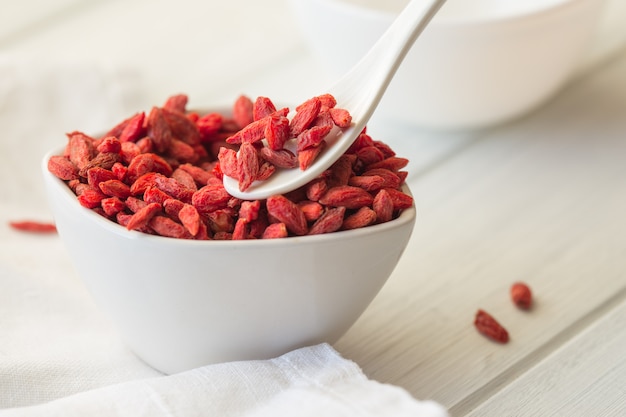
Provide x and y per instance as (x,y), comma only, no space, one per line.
(33,226)
(489,327)
(521,295)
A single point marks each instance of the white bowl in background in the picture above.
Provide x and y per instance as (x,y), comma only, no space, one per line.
(478,63)
(181,304)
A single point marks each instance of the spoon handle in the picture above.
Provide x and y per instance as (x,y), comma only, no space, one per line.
(376,69)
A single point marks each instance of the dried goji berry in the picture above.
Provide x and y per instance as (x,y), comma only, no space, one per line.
(489,327)
(361,218)
(247,165)
(305,115)
(190,218)
(177,102)
(262,107)
(164,226)
(341,117)
(242,111)
(143,216)
(276,131)
(33,226)
(158,129)
(287,212)
(521,295)
(62,168)
(133,129)
(329,222)
(347,196)
(115,188)
(282,158)
(312,137)
(275,231)
(308,155)
(383,206)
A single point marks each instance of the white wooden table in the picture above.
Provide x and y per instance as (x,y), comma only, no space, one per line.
(541,199)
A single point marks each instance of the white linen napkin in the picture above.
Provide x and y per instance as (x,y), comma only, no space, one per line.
(58,354)
(313,381)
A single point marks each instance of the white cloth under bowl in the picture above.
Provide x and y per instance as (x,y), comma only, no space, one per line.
(59,356)
(314,381)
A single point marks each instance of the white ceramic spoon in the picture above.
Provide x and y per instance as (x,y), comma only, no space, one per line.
(359,91)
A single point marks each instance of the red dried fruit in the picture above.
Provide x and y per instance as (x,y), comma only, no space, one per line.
(316,189)
(97,175)
(328,222)
(370,155)
(312,210)
(109,144)
(247,165)
(174,188)
(308,155)
(242,111)
(148,162)
(164,226)
(102,160)
(521,295)
(90,197)
(253,132)
(361,218)
(390,179)
(112,206)
(393,163)
(311,138)
(328,101)
(282,158)
(199,175)
(190,218)
(62,168)
(285,211)
(367,182)
(305,115)
(177,102)
(341,171)
(159,130)
(489,327)
(277,131)
(275,231)
(143,216)
(262,107)
(80,149)
(341,117)
(154,195)
(134,128)
(33,226)
(115,188)
(210,198)
(249,210)
(383,206)
(182,152)
(400,200)
(347,196)
(181,127)
(209,125)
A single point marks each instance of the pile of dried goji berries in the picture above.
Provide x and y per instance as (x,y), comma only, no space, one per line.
(161,172)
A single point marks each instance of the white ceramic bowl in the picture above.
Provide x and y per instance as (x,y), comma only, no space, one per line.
(478,63)
(180,304)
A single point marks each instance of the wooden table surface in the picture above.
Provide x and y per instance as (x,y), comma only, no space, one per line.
(541,199)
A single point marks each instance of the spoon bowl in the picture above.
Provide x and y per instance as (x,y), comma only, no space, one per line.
(359,91)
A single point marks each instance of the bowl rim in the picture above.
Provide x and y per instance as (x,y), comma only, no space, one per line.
(406,217)
(441,20)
